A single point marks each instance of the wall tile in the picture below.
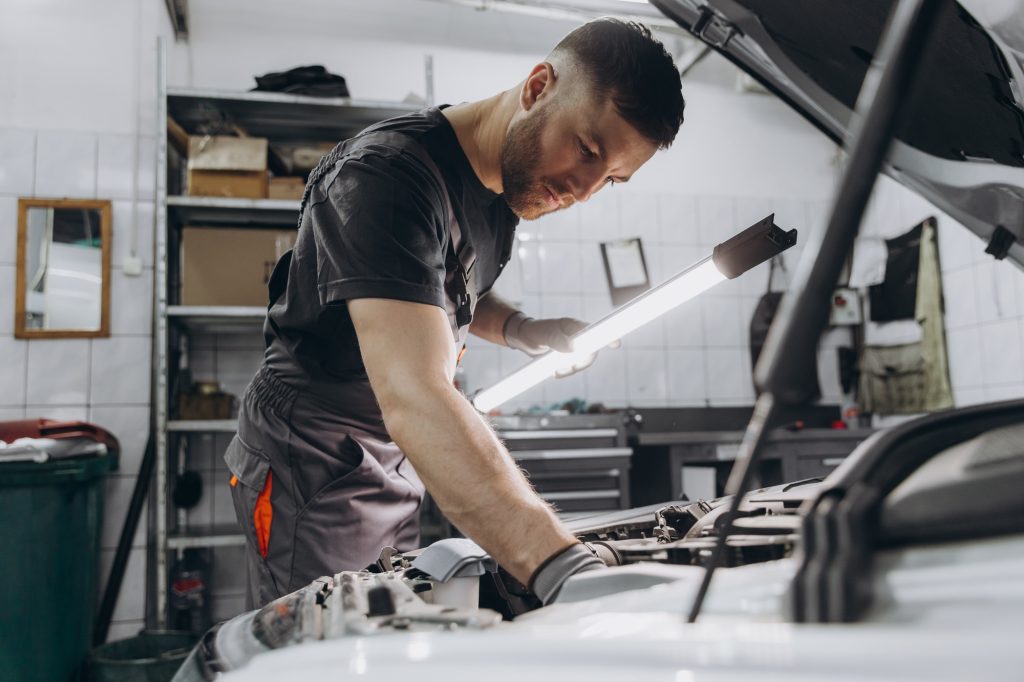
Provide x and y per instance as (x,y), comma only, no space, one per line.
(130,219)
(7,281)
(13,357)
(647,380)
(595,281)
(66,165)
(987,292)
(561,268)
(722,327)
(131,602)
(529,254)
(63,413)
(751,209)
(509,284)
(1004,392)
(674,259)
(11,413)
(677,216)
(1001,360)
(964,397)
(640,217)
(729,378)
(954,247)
(716,219)
(562,305)
(561,225)
(115,170)
(146,190)
(606,379)
(595,307)
(1007,276)
(600,217)
(58,372)
(130,425)
(686,377)
(17,161)
(131,303)
(120,371)
(964,349)
(960,299)
(8,231)
(117,498)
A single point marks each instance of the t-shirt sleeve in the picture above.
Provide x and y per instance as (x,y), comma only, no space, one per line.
(378,232)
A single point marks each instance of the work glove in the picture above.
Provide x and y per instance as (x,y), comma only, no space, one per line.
(536,337)
(546,582)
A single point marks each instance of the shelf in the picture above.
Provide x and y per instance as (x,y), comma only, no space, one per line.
(274,115)
(218,319)
(229,212)
(203,425)
(207,536)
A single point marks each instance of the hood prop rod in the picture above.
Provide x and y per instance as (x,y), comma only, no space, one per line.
(792,341)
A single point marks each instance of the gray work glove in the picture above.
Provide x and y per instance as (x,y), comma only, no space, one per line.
(546,582)
(536,337)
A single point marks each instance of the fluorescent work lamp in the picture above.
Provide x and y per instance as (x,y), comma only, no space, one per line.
(729,260)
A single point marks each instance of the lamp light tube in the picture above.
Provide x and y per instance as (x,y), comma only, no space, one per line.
(729,259)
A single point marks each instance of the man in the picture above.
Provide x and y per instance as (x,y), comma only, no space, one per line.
(403,231)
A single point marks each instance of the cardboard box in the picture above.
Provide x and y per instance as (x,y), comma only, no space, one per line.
(286,188)
(230,266)
(222,166)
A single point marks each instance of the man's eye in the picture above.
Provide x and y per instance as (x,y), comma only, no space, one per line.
(586,151)
(610,181)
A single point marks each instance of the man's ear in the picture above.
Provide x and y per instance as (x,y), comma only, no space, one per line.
(540,81)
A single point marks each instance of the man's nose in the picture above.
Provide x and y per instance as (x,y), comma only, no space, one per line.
(585,182)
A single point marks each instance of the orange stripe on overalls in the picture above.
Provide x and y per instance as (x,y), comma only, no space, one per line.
(263,514)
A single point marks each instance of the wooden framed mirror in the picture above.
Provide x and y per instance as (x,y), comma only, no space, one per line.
(63,279)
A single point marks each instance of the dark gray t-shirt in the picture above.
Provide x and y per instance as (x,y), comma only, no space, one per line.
(375,225)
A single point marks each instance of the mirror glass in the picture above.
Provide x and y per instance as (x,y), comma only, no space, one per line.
(63,268)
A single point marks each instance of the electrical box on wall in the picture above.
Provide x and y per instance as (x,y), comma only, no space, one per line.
(846,309)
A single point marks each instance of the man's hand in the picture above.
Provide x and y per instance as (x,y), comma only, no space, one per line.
(546,582)
(536,337)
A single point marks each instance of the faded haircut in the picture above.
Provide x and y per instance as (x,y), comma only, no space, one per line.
(623,61)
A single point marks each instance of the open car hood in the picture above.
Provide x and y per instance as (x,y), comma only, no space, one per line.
(961,144)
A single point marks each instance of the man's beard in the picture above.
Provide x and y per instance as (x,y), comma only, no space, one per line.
(523,190)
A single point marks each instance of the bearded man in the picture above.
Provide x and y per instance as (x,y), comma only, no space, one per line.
(403,231)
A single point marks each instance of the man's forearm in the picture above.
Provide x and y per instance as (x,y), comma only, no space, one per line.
(490,316)
(472,477)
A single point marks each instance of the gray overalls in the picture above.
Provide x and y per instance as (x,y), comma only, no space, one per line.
(317,483)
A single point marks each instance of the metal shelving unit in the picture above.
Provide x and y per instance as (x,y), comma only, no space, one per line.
(284,119)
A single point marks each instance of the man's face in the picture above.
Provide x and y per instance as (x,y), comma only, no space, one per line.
(561,152)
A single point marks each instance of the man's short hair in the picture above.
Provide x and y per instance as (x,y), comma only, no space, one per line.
(623,61)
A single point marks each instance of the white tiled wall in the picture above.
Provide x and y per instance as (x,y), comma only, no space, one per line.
(984,299)
(698,354)
(105,381)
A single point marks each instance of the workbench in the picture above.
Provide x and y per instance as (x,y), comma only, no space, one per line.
(787,455)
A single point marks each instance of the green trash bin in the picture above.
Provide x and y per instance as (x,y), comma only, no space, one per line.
(151,656)
(50,522)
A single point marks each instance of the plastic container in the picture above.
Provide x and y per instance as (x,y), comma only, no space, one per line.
(151,656)
(51,515)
